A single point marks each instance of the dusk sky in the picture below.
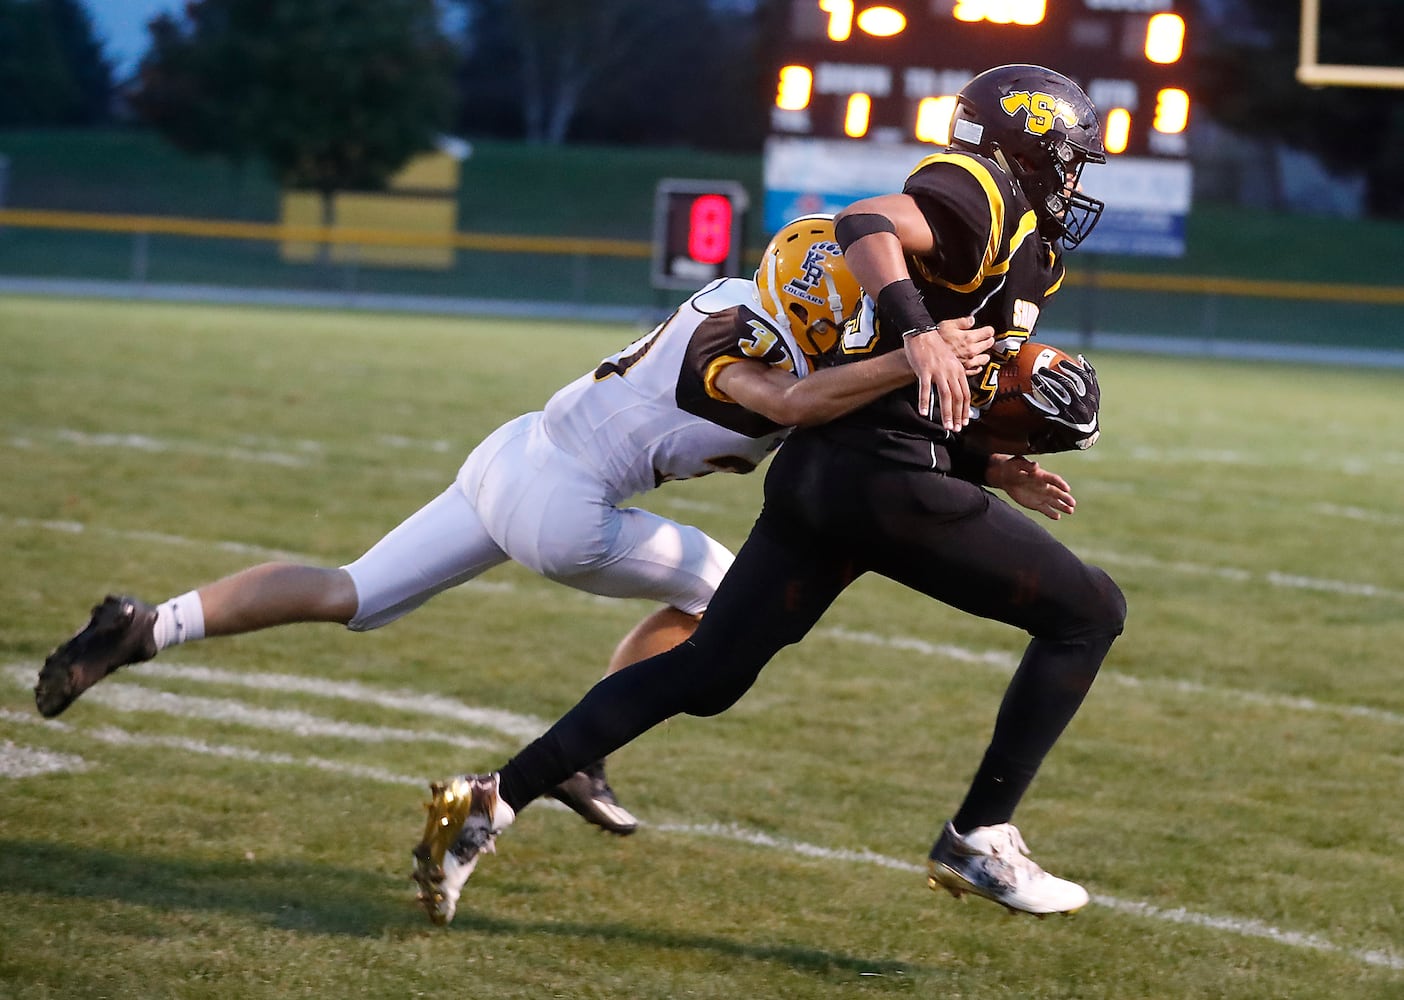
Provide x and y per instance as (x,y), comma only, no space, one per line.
(121,24)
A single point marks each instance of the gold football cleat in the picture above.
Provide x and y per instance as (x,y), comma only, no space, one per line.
(463,818)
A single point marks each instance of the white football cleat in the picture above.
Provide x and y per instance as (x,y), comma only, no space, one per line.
(994,862)
(587,791)
(465,816)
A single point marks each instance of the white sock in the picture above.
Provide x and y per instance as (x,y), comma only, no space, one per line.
(181,619)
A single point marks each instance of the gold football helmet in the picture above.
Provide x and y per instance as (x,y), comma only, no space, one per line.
(803,280)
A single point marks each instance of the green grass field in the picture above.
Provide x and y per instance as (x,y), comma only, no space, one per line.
(234,819)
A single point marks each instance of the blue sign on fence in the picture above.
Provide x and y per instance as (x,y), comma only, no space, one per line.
(1147,199)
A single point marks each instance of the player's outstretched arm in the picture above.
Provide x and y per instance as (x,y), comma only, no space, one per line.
(830,393)
(1030,485)
(818,397)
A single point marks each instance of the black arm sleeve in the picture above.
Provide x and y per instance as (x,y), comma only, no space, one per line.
(900,307)
(851,228)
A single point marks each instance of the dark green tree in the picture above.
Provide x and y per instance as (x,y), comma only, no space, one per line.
(333,95)
(1249,84)
(52,67)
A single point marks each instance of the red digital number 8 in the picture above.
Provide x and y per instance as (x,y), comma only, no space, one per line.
(709,229)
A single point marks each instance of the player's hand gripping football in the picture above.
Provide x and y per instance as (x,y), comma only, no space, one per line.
(942,364)
(1070,398)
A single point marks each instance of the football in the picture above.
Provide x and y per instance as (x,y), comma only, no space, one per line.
(1005,424)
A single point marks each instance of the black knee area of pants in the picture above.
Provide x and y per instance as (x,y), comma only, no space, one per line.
(1110,615)
(1097,614)
(719,683)
(717,700)
(693,678)
(1062,662)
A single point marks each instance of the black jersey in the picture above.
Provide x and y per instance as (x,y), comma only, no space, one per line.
(990,262)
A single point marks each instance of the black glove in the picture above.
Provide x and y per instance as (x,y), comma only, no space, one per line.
(1069,397)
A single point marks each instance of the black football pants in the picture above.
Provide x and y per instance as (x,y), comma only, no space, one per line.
(831,514)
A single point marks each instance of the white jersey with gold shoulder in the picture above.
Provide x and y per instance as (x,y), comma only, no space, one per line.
(652,412)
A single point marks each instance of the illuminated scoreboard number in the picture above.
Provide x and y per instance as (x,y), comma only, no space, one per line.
(861,69)
(697,227)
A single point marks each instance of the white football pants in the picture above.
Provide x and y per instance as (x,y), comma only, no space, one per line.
(519,497)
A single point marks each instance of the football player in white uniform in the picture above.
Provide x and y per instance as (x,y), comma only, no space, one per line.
(714,388)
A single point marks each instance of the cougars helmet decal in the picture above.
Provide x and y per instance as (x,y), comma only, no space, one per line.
(804,281)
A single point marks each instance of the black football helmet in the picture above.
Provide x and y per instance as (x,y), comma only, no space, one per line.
(1042,129)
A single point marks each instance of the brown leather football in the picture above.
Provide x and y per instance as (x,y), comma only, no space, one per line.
(1005,424)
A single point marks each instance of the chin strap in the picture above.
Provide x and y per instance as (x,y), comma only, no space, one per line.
(998,156)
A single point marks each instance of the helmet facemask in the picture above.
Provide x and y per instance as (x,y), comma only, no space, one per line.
(816,338)
(1053,187)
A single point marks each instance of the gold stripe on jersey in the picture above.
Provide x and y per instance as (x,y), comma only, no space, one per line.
(709,377)
(992,265)
(1054,265)
(992,195)
(1028,225)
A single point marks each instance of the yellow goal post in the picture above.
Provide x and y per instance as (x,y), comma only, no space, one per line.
(1316,74)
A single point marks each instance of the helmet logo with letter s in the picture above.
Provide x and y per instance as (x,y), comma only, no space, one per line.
(1041,111)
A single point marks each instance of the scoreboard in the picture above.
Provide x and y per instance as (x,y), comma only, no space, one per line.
(865,88)
(697,227)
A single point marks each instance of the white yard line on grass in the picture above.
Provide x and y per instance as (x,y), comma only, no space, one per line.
(300,453)
(1358,514)
(511,724)
(1006,662)
(1178,915)
(25,762)
(237,548)
(529,727)
(1271,578)
(132,697)
(79,528)
(142,442)
(1351,465)
(525,727)
(307,454)
(295,452)
(114,736)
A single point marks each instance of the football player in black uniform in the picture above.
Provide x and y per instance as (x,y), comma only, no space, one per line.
(978,229)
